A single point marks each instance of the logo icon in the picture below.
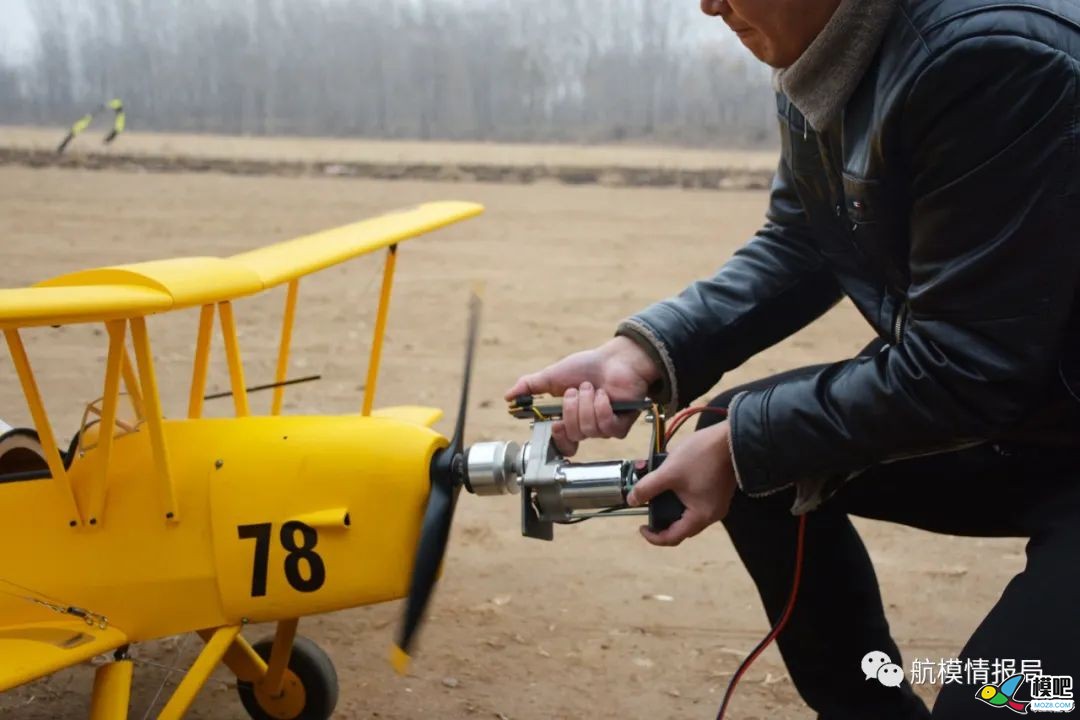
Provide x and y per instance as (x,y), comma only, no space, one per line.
(1003,696)
(1052,693)
(879,666)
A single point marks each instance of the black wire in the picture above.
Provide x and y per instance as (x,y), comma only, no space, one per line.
(605,511)
(268,386)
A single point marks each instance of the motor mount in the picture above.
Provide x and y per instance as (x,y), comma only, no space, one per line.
(555,490)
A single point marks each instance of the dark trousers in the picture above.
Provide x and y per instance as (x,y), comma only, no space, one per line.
(985,491)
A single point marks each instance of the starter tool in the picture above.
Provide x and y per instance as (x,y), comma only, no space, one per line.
(554,490)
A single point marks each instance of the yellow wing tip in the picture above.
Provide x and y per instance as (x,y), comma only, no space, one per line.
(399,660)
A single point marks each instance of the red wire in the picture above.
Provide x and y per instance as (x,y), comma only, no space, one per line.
(779,628)
(677,422)
(683,415)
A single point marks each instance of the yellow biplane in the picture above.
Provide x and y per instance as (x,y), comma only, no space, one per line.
(147,526)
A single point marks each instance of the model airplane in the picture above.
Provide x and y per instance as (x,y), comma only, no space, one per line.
(146,526)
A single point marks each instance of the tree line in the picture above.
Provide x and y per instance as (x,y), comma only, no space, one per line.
(503,70)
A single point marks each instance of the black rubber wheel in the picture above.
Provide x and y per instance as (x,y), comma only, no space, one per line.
(316,674)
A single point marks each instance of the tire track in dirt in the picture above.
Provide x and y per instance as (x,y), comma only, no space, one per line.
(513,174)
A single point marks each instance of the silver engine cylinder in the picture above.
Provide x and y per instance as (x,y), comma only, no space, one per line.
(552,489)
(495,468)
(558,488)
(588,486)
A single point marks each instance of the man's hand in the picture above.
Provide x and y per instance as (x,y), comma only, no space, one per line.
(588,382)
(701,473)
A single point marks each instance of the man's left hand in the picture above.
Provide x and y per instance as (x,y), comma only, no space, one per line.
(701,473)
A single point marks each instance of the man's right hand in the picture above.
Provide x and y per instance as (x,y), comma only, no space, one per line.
(588,382)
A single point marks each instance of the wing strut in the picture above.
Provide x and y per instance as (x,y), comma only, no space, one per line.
(152,401)
(286,341)
(380,329)
(44,429)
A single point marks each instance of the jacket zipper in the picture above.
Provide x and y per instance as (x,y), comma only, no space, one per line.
(898,326)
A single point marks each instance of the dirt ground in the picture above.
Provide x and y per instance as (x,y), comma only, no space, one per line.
(402,152)
(519,629)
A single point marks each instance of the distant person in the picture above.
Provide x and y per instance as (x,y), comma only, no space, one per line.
(930,173)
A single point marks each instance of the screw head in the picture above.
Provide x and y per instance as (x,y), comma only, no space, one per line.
(218,464)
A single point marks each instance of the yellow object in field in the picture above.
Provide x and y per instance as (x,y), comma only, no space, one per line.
(116,105)
(146,527)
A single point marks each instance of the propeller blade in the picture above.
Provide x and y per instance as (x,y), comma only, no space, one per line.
(457,440)
(446,480)
(429,557)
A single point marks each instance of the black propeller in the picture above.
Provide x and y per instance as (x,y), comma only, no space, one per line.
(447,476)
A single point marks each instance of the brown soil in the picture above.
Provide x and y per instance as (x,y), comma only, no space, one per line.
(402,160)
(519,629)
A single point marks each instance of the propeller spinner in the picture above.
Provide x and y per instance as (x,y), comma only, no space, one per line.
(447,477)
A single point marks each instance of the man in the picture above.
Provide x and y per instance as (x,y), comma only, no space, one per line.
(931,173)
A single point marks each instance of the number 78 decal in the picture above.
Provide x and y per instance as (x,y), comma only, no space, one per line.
(305,551)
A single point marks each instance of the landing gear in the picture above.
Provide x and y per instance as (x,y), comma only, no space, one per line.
(309,687)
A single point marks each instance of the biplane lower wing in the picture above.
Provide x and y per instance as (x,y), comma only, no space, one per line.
(414,414)
(29,652)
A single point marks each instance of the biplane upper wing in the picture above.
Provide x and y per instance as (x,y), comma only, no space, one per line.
(139,289)
(291,259)
(29,652)
(21,307)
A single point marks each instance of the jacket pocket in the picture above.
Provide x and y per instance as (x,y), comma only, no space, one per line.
(877,230)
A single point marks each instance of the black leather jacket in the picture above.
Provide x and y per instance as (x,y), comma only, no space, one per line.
(946,204)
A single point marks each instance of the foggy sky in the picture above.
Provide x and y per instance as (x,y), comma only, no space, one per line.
(17,37)
(500,70)
(15,29)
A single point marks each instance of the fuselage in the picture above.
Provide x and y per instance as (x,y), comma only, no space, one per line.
(278,517)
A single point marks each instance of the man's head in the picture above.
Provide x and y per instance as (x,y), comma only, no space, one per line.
(776,31)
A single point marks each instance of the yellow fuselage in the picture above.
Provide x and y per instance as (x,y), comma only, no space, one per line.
(263,533)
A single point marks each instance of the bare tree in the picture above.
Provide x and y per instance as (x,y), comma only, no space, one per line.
(564,70)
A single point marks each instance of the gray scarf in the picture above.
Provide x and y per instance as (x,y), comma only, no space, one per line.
(823,79)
